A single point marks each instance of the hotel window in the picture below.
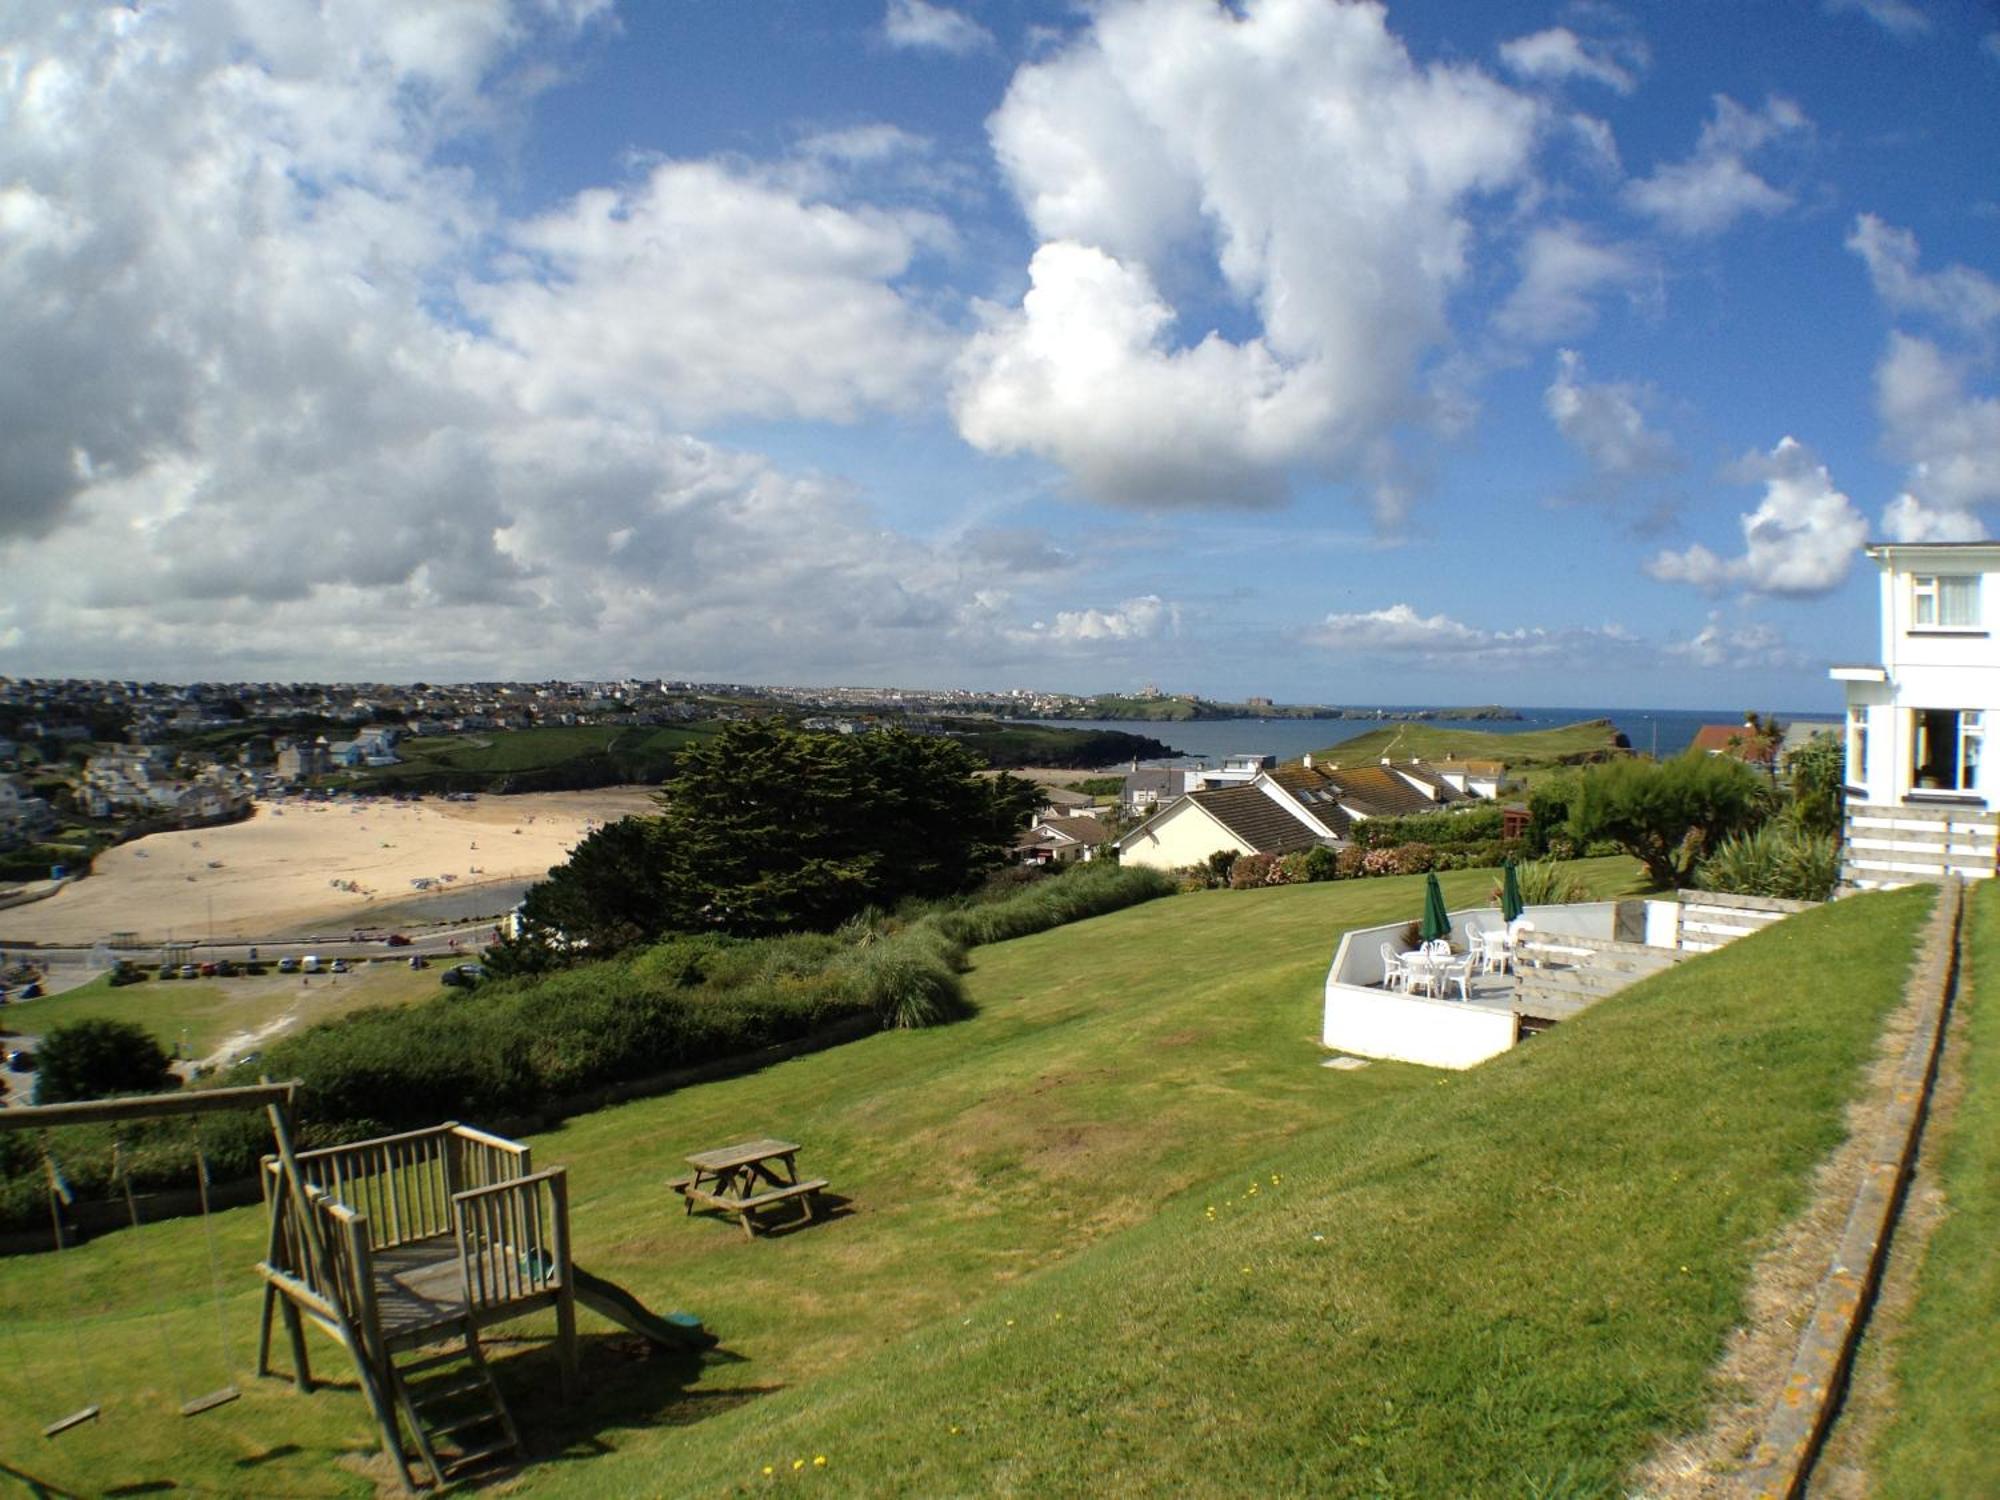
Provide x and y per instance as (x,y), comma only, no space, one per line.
(1946,746)
(1943,601)
(1857,747)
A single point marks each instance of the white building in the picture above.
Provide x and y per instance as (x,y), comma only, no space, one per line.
(1920,801)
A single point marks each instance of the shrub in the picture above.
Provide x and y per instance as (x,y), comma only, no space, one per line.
(1350,863)
(1545,882)
(1251,871)
(1321,863)
(1380,862)
(1415,859)
(1220,863)
(1779,860)
(1465,826)
(93,1059)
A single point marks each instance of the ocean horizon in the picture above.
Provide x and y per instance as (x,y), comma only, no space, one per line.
(1652,731)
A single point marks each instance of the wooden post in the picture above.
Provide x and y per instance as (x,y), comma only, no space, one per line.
(566,1292)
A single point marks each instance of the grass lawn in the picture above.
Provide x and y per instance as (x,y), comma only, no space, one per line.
(1946,1381)
(1431,741)
(1496,1300)
(206,1012)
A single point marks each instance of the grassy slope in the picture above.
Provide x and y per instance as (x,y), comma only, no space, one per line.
(211,1010)
(1112,1063)
(1496,1303)
(1947,1382)
(1506,1282)
(1436,742)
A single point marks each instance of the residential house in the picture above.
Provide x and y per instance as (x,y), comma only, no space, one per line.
(1062,802)
(1475,778)
(1751,743)
(24,818)
(1286,808)
(1150,788)
(126,779)
(1061,840)
(1920,801)
(301,760)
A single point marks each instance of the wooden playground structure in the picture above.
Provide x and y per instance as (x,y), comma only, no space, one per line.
(401,1249)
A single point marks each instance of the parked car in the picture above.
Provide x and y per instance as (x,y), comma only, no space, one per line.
(288,965)
(462,976)
(209,970)
(340,966)
(418,961)
(32,990)
(397,940)
(20,1061)
(190,971)
(309,964)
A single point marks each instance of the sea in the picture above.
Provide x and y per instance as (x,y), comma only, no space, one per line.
(1652,731)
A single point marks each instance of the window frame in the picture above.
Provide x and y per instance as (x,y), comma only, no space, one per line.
(1854,767)
(1966,731)
(1932,592)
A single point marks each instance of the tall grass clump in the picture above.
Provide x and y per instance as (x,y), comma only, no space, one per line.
(1546,882)
(1780,860)
(1088,890)
(909,981)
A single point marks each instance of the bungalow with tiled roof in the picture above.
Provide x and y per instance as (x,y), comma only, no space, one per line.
(1061,840)
(1753,744)
(1286,808)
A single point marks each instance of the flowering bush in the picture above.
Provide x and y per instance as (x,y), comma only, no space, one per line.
(1380,862)
(1414,859)
(1252,870)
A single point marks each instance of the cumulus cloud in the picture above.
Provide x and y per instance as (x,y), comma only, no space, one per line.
(1715,186)
(933,28)
(285,394)
(1146,618)
(1740,646)
(1605,422)
(1268,146)
(1897,17)
(1800,540)
(1564,267)
(1908,519)
(1398,633)
(1559,53)
(1949,434)
(714,296)
(1958,296)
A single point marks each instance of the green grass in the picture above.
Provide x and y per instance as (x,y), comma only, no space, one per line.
(553,758)
(1429,741)
(206,1012)
(1496,1303)
(1946,1381)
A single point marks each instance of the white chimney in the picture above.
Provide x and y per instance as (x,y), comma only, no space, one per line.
(1309,760)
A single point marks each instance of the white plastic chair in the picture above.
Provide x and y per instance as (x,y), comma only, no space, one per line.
(1395,972)
(1458,972)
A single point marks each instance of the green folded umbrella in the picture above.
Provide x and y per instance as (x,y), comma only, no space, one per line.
(1511,905)
(1437,922)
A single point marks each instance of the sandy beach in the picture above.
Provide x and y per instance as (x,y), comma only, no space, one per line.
(297,867)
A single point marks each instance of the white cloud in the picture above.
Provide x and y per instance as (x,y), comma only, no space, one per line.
(1957,296)
(244,426)
(1949,436)
(1268,146)
(1605,421)
(1908,519)
(1559,53)
(1399,633)
(1744,645)
(933,28)
(1715,187)
(1146,618)
(1897,17)
(1563,268)
(1800,540)
(714,295)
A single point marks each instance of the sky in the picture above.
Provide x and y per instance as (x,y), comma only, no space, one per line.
(1529,353)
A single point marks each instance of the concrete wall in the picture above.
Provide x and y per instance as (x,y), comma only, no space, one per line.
(1410,1028)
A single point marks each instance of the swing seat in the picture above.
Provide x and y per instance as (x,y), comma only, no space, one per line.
(75,1419)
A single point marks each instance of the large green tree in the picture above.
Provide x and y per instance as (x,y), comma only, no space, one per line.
(92,1059)
(770,829)
(1667,813)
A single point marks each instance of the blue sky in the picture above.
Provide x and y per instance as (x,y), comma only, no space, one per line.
(1532,353)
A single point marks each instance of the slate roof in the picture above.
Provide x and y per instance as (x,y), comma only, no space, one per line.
(1378,792)
(1255,818)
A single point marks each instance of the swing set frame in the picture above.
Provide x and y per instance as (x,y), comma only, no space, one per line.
(275,1098)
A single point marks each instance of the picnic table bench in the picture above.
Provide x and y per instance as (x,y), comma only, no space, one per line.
(746,1178)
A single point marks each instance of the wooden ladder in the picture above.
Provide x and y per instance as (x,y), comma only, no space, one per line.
(460,1406)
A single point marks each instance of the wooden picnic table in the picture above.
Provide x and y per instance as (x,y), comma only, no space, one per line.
(745,1178)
